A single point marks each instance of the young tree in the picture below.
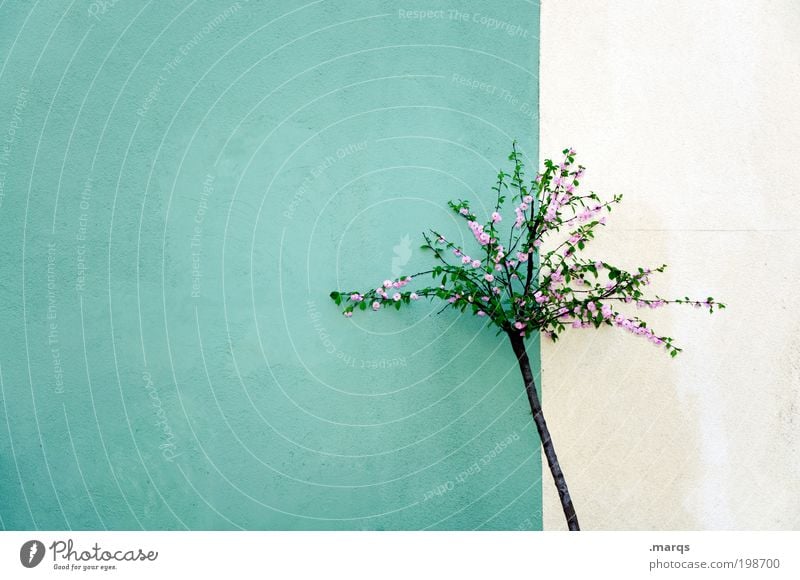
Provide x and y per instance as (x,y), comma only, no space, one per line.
(523,290)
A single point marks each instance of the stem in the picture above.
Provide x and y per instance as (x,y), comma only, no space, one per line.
(518,344)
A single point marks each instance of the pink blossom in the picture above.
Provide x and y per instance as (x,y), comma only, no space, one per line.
(476,263)
(463,211)
(387,283)
(522,256)
(376,305)
(591,307)
(519,325)
(466,260)
(496,217)
(480,313)
(520,218)
(414,296)
(539,297)
(489,278)
(396,296)
(348,314)
(527,199)
(356,297)
(485,298)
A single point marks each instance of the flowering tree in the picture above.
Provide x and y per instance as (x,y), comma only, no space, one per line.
(523,290)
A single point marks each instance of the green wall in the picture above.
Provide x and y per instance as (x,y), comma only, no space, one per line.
(181,186)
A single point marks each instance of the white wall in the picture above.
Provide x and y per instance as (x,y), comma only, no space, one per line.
(692,111)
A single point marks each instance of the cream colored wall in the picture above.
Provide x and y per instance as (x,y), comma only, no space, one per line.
(692,110)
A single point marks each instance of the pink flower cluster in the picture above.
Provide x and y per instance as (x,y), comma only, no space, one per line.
(480,235)
(590,212)
(556,277)
(558,201)
(521,209)
(635,327)
(381,290)
(650,303)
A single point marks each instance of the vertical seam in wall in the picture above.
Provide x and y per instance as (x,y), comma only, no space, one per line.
(538,135)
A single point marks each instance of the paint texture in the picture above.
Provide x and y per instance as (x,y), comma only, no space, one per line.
(182,186)
(689,111)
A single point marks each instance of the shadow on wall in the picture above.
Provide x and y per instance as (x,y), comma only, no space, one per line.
(629,450)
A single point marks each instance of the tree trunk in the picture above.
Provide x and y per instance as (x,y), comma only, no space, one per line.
(518,344)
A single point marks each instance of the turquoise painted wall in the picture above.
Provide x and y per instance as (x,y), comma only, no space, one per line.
(181,185)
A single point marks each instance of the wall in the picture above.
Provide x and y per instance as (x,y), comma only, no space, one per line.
(183,185)
(690,110)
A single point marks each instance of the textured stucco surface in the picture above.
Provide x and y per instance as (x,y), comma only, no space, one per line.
(183,185)
(690,110)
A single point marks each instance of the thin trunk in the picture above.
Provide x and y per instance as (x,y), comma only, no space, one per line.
(518,344)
